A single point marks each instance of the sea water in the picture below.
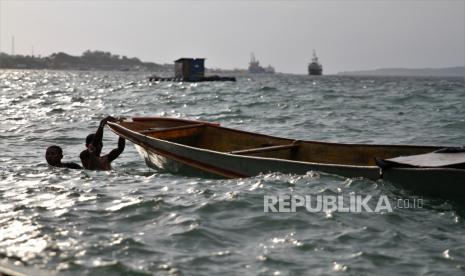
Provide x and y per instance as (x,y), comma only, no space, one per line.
(137,221)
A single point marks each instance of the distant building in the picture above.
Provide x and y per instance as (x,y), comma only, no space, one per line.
(189,68)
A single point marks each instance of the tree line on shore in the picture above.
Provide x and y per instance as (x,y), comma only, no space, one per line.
(89,60)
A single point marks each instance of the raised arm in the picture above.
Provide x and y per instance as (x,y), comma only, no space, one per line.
(99,133)
(116,152)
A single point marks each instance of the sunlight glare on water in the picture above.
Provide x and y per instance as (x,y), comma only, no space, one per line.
(136,221)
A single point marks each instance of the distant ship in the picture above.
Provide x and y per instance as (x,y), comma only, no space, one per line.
(255,68)
(315,68)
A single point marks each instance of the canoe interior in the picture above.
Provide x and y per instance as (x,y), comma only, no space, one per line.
(213,137)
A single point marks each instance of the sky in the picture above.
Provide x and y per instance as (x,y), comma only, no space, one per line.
(346,34)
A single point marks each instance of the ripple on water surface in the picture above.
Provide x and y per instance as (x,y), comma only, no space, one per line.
(134,221)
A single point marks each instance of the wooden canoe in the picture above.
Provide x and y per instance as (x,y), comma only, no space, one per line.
(188,146)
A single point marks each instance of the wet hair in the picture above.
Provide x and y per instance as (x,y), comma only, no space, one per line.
(57,148)
(89,139)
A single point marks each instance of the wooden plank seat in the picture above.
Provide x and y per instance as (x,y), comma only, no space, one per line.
(158,130)
(174,132)
(294,145)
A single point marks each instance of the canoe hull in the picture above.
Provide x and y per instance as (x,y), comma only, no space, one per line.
(161,163)
(178,158)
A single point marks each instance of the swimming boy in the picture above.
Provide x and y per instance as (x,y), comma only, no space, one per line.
(54,154)
(91,158)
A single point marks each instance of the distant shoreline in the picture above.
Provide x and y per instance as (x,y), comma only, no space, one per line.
(89,60)
(106,61)
(93,61)
(458,71)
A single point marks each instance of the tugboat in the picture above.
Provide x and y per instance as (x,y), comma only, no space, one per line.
(315,68)
(255,68)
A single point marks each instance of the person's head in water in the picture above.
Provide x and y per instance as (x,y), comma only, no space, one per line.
(53,155)
(89,145)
